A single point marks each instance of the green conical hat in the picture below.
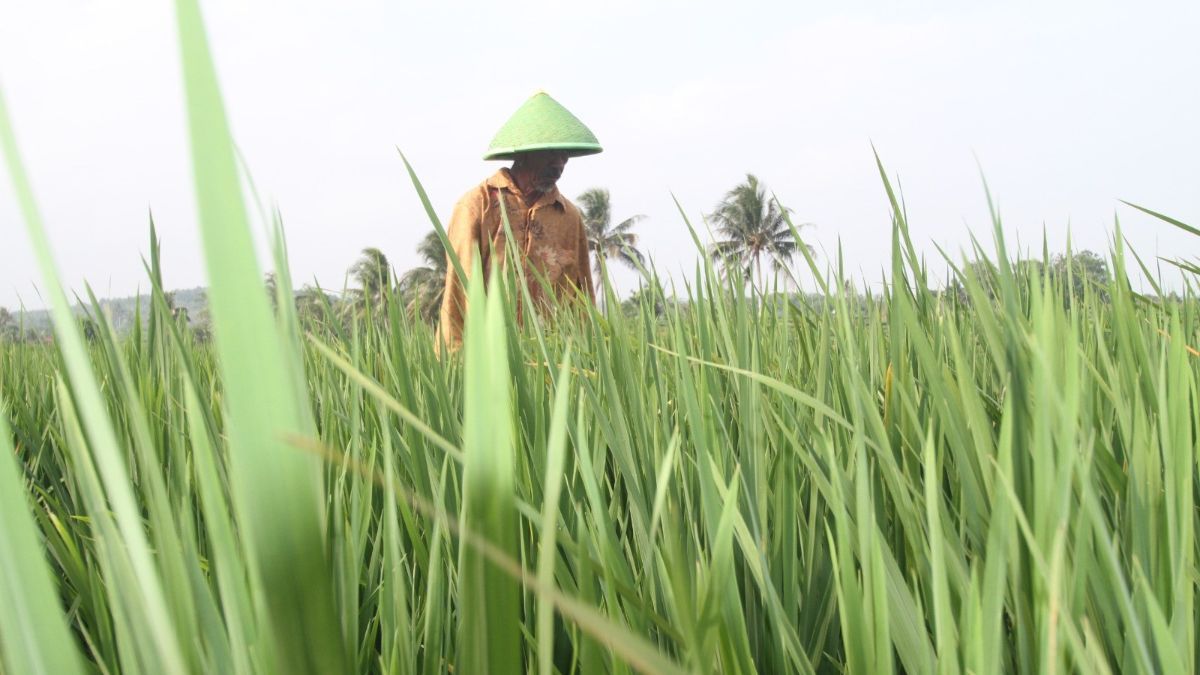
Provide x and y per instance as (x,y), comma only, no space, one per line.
(542,124)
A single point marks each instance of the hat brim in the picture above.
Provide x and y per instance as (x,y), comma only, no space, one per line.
(571,150)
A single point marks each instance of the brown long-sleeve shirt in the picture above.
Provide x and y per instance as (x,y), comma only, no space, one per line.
(549,231)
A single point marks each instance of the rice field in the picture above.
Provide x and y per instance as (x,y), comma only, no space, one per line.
(999,479)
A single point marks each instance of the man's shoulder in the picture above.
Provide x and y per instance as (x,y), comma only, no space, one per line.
(475,197)
(569,208)
(476,192)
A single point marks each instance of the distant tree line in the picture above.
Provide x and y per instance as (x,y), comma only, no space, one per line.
(1075,275)
(754,234)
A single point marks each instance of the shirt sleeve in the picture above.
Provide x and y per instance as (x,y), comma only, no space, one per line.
(463,233)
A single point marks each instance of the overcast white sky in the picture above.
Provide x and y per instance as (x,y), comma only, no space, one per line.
(1069,106)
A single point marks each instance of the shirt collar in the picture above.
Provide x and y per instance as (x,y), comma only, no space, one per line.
(503,180)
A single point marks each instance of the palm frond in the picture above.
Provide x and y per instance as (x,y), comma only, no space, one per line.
(752,224)
(627,224)
(631,257)
(432,251)
(596,210)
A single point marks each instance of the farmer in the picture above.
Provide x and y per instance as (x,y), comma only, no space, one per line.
(548,229)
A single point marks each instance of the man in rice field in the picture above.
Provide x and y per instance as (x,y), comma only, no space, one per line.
(548,229)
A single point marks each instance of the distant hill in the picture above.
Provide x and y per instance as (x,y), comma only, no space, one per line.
(121,311)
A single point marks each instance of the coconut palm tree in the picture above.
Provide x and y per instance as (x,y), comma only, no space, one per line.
(8,328)
(605,240)
(422,287)
(271,287)
(753,226)
(311,304)
(373,274)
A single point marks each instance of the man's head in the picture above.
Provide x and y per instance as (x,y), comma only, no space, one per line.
(539,170)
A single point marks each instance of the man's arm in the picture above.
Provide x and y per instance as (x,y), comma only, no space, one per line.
(463,233)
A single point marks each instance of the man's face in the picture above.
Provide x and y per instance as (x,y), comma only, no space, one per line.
(546,167)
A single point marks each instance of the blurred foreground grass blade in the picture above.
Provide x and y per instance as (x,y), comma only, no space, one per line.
(489,634)
(132,552)
(33,631)
(232,574)
(437,223)
(548,545)
(277,493)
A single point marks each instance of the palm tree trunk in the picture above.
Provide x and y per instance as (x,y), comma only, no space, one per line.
(601,296)
(762,283)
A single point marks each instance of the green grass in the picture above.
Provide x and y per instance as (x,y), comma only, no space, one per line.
(909,481)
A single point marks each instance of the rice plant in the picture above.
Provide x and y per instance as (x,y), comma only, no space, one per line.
(999,479)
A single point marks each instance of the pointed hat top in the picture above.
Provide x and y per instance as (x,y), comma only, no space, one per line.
(542,123)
